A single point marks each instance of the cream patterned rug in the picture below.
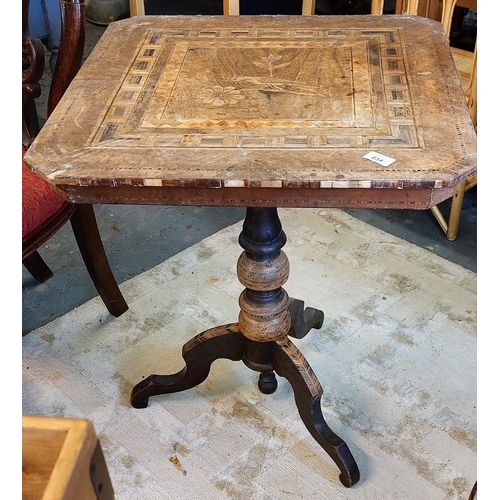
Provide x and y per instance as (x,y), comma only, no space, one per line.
(396,358)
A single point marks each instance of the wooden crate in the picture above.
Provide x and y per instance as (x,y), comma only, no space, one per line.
(63,460)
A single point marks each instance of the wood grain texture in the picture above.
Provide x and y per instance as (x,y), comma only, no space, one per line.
(57,455)
(264,323)
(301,366)
(263,276)
(227,105)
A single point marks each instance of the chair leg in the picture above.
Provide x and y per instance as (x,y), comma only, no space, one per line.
(89,241)
(37,267)
(473,493)
(456,208)
(136,8)
(450,228)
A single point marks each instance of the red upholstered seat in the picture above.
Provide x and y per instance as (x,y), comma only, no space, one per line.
(40,201)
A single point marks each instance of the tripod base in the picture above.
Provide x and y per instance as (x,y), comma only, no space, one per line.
(260,339)
(287,361)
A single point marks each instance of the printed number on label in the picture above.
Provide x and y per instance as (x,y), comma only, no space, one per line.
(379,158)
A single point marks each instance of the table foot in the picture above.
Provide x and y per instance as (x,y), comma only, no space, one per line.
(303,319)
(199,353)
(291,364)
(267,382)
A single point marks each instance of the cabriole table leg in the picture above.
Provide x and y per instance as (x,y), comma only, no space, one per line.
(266,321)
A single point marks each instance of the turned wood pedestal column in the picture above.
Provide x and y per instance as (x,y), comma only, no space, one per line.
(261,337)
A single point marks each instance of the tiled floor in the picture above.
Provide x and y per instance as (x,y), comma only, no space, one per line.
(140,237)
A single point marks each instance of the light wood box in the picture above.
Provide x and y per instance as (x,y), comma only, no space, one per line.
(63,460)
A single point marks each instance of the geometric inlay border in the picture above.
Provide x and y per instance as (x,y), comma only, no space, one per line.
(147,108)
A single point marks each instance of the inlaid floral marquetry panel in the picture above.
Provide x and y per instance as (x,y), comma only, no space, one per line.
(252,110)
(265,88)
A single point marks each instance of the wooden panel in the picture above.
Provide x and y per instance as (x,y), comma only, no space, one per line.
(56,459)
(41,450)
(287,102)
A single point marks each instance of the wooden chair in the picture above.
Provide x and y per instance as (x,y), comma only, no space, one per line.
(466,63)
(444,11)
(44,211)
(230,7)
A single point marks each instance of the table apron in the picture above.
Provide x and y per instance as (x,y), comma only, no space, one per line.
(415,199)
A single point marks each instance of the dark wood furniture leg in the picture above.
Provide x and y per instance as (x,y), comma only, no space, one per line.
(222,342)
(89,242)
(291,364)
(261,338)
(37,268)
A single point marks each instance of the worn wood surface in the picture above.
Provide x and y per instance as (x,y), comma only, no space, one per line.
(57,458)
(262,111)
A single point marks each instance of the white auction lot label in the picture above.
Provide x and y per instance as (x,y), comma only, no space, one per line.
(379,158)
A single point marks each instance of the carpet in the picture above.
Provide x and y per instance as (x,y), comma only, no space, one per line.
(396,357)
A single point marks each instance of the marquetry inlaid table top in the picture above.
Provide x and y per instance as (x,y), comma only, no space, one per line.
(262,111)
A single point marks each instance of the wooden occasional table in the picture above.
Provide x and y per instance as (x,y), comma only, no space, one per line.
(262,112)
